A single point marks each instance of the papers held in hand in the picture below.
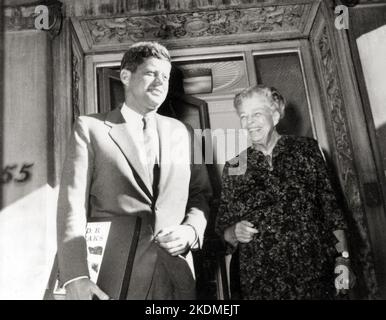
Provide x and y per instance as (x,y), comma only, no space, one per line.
(111,246)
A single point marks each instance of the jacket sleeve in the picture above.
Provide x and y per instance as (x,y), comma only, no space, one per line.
(73,204)
(200,194)
(327,200)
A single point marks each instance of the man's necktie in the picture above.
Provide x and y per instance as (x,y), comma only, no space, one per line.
(149,136)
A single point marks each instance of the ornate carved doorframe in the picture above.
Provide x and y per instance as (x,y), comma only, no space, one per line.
(348,134)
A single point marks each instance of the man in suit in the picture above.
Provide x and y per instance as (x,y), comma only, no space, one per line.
(133,161)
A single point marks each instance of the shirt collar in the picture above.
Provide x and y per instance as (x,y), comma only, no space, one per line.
(134,118)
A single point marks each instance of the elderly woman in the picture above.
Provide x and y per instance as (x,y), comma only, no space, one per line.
(281,213)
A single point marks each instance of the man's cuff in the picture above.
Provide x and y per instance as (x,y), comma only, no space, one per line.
(195,243)
(72,280)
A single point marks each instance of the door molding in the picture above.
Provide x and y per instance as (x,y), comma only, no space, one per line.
(191,28)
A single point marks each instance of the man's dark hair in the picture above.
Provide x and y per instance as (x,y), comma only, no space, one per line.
(140,51)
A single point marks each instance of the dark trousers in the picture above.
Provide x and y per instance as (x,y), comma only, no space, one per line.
(172,279)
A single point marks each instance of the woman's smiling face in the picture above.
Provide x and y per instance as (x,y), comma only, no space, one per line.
(257,116)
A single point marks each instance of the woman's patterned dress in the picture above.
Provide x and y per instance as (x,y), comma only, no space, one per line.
(293,206)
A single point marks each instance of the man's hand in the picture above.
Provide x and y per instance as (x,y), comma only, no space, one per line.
(242,231)
(176,239)
(84,289)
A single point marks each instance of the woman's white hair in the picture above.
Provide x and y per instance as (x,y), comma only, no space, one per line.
(277,101)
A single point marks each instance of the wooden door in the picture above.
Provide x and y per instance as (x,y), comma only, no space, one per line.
(110,91)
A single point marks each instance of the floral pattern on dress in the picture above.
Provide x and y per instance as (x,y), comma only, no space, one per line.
(294,208)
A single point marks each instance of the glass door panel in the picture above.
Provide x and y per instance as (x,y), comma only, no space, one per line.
(283,71)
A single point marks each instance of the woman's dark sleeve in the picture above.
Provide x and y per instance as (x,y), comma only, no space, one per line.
(226,216)
(331,209)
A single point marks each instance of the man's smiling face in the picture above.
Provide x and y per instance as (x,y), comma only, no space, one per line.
(147,86)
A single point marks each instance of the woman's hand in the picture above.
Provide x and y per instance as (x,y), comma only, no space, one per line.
(242,231)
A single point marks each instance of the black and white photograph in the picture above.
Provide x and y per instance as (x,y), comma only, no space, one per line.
(211,151)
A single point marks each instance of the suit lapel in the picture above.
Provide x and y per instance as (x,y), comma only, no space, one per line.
(120,135)
(165,149)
